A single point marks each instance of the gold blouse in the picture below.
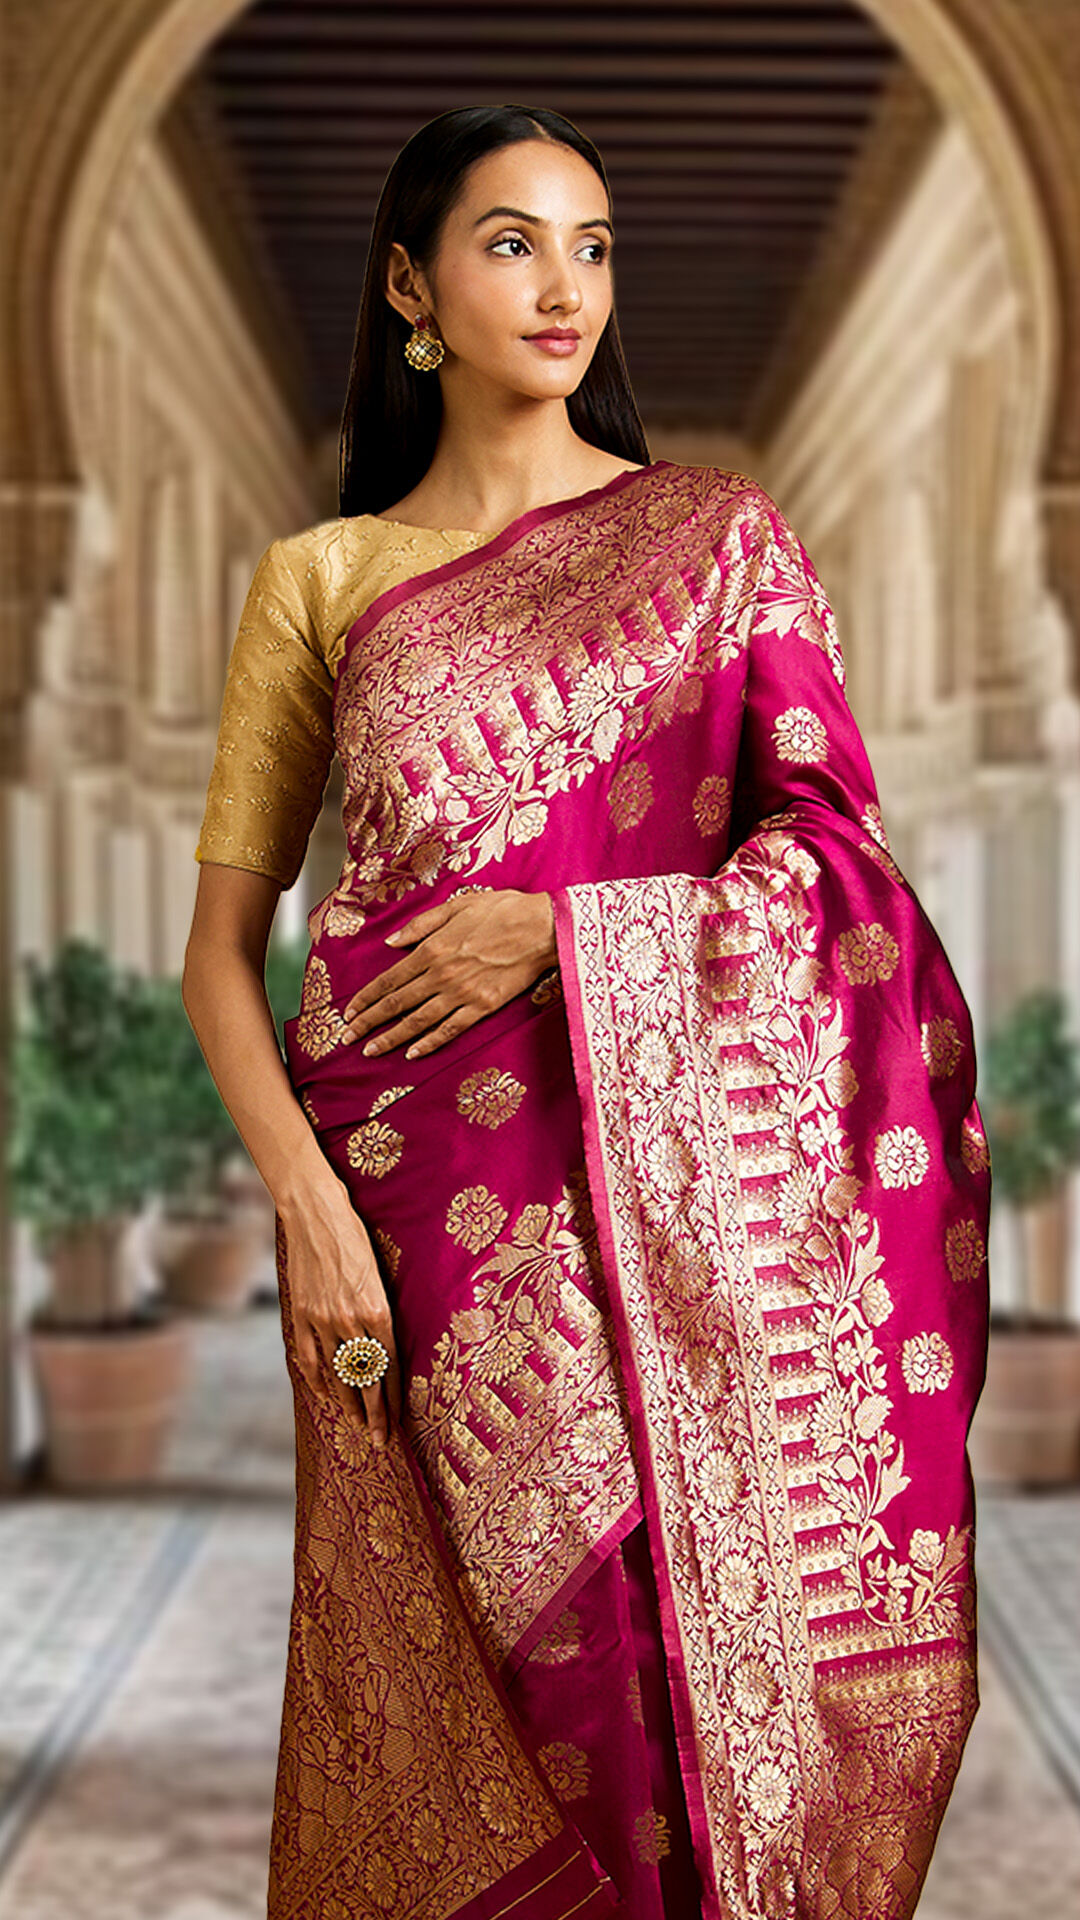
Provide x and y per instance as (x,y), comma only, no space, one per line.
(275,739)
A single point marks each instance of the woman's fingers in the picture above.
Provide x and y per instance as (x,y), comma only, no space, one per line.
(423,1019)
(457,1022)
(308,1357)
(375,1408)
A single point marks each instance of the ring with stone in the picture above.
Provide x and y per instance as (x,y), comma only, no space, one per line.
(362,1361)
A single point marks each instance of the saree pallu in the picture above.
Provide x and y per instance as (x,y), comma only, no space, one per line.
(662,1599)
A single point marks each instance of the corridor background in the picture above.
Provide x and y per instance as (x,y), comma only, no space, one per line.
(848,264)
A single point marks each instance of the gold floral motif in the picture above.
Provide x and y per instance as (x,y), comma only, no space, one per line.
(421,1621)
(567,1768)
(755,1688)
(770,1791)
(530,1511)
(799,735)
(867,953)
(875,825)
(561,1642)
(965,1250)
(428,1837)
(489,1096)
(901,1157)
(305,1102)
(711,804)
(651,1837)
(381,1882)
(384,1530)
(926,1362)
(374,1149)
(737,1586)
(941,1047)
(597,1436)
(974,1151)
(474,1218)
(630,795)
(634,1700)
(926,1550)
(876,1301)
(319,1027)
(497,1806)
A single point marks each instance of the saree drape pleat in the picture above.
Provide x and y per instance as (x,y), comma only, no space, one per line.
(663,1597)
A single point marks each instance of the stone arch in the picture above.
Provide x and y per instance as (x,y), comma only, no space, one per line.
(117,62)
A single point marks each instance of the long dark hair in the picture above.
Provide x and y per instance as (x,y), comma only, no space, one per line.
(390,422)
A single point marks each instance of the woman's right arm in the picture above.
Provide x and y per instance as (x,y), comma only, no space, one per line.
(335,1287)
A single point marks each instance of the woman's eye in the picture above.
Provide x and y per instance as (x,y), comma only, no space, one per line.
(600,247)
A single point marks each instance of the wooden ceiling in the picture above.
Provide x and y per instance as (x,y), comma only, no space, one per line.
(729,132)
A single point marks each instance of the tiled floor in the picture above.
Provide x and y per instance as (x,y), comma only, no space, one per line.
(142,1648)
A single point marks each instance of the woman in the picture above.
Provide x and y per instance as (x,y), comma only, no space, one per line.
(628,1111)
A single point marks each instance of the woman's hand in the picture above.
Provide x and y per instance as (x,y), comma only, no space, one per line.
(335,1293)
(474,953)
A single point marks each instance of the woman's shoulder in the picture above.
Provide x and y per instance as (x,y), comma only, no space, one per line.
(323,542)
(714,483)
(335,568)
(724,498)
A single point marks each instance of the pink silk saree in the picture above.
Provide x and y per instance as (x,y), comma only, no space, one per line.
(662,1600)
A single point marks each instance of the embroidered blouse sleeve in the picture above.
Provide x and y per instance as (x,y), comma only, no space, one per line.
(275,738)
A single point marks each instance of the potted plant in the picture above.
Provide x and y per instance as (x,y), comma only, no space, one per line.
(87,1145)
(216,1215)
(1027,1426)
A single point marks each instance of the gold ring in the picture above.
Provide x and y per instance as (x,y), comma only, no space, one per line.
(362,1361)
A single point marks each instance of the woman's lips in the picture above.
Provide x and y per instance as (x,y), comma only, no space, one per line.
(553,342)
(556,342)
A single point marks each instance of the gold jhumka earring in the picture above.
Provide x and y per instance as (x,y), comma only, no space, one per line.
(423,349)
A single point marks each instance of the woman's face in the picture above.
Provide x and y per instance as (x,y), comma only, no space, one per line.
(499,277)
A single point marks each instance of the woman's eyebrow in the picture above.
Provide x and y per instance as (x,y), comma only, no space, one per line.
(532,219)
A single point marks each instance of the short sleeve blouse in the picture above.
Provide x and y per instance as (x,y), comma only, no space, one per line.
(275,740)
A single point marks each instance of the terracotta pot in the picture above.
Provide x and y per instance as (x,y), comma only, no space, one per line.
(209,1266)
(88,1284)
(1026,1430)
(109,1397)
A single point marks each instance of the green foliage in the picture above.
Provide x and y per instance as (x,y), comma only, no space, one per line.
(112,1097)
(90,1092)
(284,976)
(1030,1098)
